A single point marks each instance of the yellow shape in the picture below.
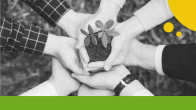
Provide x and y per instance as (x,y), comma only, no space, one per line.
(184,11)
(168,27)
(179,34)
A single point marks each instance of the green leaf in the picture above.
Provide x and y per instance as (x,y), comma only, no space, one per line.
(109,39)
(104,40)
(112,33)
(100,34)
(94,40)
(99,24)
(87,41)
(90,29)
(84,32)
(110,23)
(104,28)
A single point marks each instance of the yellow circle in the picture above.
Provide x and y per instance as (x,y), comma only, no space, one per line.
(184,11)
(168,27)
(179,34)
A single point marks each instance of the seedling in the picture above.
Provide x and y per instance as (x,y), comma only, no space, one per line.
(105,34)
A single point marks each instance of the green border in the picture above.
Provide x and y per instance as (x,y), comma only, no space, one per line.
(94,103)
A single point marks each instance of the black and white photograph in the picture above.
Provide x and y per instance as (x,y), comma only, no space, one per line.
(95,48)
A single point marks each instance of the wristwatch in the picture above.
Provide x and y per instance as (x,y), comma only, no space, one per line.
(124,82)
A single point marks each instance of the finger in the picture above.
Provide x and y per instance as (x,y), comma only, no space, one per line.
(81,38)
(84,54)
(84,64)
(81,78)
(117,61)
(75,68)
(99,64)
(93,69)
(111,59)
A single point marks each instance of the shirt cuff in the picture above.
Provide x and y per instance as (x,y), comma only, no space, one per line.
(118,2)
(44,89)
(143,92)
(158,59)
(154,13)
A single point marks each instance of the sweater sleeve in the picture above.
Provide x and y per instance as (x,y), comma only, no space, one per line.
(17,37)
(50,10)
(154,13)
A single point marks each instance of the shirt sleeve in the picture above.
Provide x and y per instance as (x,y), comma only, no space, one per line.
(50,10)
(44,89)
(118,2)
(17,37)
(143,92)
(154,13)
(158,59)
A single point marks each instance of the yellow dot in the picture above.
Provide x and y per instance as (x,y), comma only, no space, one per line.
(168,27)
(179,34)
(184,12)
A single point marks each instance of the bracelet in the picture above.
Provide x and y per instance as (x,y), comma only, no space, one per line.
(124,82)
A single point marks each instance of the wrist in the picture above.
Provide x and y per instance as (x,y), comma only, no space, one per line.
(132,27)
(108,8)
(51,45)
(147,57)
(62,90)
(132,88)
(68,19)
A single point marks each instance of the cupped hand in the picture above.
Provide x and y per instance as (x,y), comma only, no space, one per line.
(104,80)
(61,79)
(120,44)
(63,48)
(106,11)
(85,90)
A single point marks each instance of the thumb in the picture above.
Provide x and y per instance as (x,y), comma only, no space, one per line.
(81,38)
(112,58)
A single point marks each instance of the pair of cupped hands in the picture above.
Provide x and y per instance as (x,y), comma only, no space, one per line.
(70,53)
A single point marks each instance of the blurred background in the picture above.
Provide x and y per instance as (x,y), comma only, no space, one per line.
(21,72)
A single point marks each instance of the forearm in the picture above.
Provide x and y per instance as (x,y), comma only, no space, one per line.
(108,8)
(120,3)
(52,44)
(48,88)
(147,57)
(141,55)
(135,88)
(154,13)
(44,89)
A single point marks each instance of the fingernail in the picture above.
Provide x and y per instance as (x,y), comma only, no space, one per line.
(107,68)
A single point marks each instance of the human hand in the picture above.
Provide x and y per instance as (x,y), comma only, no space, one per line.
(141,55)
(71,21)
(61,79)
(104,80)
(85,90)
(63,48)
(120,44)
(107,10)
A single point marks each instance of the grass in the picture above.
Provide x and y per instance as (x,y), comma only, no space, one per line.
(20,72)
